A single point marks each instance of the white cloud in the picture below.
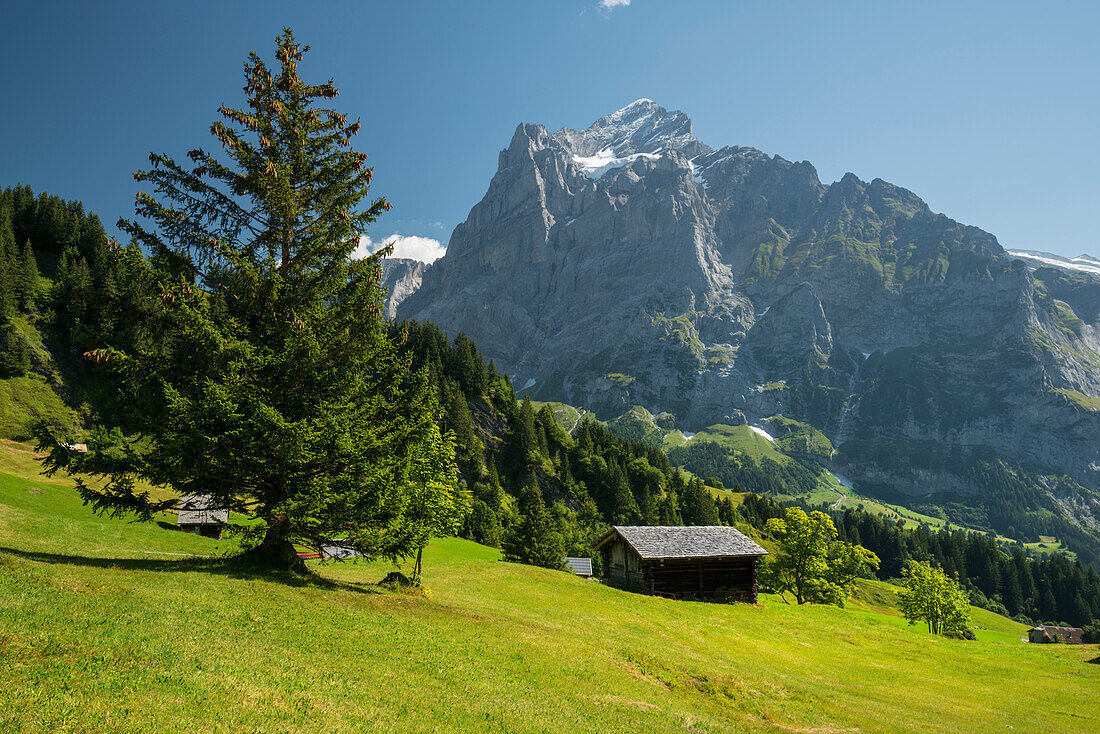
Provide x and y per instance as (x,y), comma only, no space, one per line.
(610,4)
(424,249)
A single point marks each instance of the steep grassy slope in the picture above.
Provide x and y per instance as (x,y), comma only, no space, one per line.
(101,629)
(743,439)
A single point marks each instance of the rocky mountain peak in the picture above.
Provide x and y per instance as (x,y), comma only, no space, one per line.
(642,128)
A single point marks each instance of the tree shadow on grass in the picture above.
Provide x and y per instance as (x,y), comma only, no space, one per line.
(1094,661)
(235,567)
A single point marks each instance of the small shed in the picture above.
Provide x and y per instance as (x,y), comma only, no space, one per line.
(1045,633)
(579,566)
(202,514)
(697,562)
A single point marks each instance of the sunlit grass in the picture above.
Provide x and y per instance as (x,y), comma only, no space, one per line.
(102,630)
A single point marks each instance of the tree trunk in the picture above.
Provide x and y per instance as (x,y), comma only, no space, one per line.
(276,550)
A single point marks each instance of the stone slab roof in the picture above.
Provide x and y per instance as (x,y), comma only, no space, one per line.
(201,509)
(700,541)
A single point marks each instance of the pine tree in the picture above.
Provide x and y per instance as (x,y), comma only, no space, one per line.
(727,513)
(469,366)
(483,525)
(492,378)
(1048,606)
(668,510)
(270,382)
(15,354)
(72,289)
(544,445)
(565,473)
(494,475)
(524,440)
(534,540)
(697,505)
(8,285)
(624,508)
(28,278)
(1080,612)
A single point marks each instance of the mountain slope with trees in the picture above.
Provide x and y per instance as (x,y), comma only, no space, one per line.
(631,264)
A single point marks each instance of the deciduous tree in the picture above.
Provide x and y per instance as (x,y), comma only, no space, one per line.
(931,596)
(810,563)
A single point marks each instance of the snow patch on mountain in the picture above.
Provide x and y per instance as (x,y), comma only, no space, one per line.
(1081,263)
(596,166)
(762,432)
(641,127)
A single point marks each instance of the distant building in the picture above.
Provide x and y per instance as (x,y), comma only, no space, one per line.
(579,566)
(701,562)
(78,447)
(201,515)
(1046,633)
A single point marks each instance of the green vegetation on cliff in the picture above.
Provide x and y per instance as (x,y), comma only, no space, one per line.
(796,437)
(1087,402)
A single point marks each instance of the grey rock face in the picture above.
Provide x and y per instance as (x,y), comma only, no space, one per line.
(630,264)
(400,277)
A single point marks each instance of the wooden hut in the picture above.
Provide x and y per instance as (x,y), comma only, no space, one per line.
(701,562)
(200,514)
(1046,633)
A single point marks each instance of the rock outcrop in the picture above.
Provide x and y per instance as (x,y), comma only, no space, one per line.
(401,277)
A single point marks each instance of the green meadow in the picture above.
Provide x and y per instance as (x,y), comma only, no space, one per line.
(108,625)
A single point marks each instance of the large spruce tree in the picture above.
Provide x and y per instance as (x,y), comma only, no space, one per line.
(534,540)
(270,382)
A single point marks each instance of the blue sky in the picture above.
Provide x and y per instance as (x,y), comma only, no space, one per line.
(986,110)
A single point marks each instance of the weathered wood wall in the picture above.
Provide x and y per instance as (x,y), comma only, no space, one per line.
(622,566)
(732,577)
(703,577)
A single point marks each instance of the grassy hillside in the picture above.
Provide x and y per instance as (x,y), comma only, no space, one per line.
(27,399)
(743,439)
(107,625)
(566,415)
